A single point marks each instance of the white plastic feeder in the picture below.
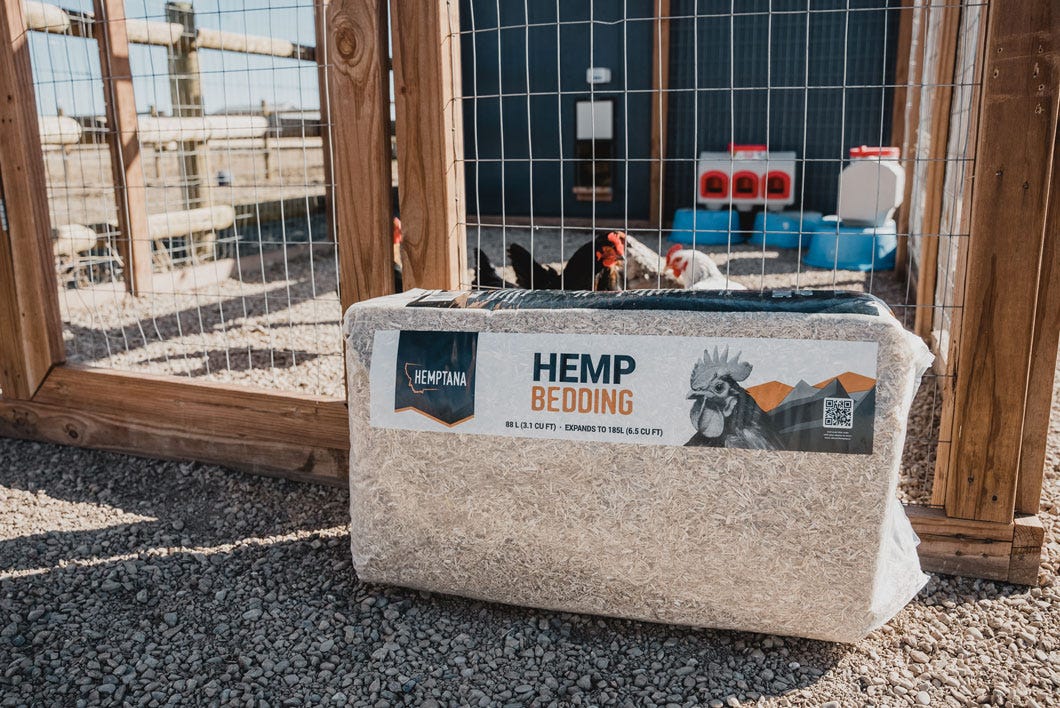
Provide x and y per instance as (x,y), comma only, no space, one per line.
(871,186)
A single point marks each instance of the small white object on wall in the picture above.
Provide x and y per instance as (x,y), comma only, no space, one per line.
(597,75)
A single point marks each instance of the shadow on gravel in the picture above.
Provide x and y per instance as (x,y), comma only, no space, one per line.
(241,359)
(287,620)
(190,504)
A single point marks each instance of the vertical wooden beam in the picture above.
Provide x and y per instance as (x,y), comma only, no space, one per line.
(352,51)
(30,325)
(1013,172)
(1038,409)
(430,131)
(660,105)
(935,178)
(943,457)
(911,146)
(904,63)
(130,195)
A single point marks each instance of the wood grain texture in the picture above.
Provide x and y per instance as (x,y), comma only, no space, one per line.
(426,43)
(320,28)
(935,177)
(660,105)
(1027,540)
(961,547)
(943,458)
(130,191)
(1017,130)
(904,61)
(1038,409)
(30,326)
(154,438)
(911,135)
(355,60)
(221,410)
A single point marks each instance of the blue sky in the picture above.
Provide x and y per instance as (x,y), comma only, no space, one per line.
(66,69)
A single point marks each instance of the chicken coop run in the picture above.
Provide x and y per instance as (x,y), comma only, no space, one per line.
(193,193)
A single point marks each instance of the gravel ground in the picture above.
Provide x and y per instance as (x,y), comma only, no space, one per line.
(135,581)
(125,580)
(279,327)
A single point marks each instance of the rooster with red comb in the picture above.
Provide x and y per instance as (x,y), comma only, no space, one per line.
(596,265)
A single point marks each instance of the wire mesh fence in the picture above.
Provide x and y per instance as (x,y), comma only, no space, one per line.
(736,130)
(227,130)
(731,129)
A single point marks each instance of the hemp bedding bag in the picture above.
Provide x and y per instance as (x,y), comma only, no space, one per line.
(721,460)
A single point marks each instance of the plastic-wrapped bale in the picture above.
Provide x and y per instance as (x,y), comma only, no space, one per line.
(720,460)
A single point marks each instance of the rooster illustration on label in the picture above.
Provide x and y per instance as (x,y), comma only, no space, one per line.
(723,413)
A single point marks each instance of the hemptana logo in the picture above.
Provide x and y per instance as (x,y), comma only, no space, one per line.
(435,375)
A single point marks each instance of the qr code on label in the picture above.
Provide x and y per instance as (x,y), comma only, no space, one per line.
(839,413)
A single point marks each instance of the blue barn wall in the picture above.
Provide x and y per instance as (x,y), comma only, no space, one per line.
(776,87)
(769,50)
(483,136)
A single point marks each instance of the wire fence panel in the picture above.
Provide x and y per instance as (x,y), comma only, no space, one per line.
(758,134)
(766,104)
(227,128)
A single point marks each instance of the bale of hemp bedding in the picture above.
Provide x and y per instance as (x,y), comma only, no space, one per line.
(721,460)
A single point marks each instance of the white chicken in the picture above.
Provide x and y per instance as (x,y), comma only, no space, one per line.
(696,271)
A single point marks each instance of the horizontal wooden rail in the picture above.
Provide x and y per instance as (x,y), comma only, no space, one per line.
(1009,552)
(280,434)
(45,17)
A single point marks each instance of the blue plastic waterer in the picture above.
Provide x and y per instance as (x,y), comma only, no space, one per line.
(785,229)
(852,247)
(705,227)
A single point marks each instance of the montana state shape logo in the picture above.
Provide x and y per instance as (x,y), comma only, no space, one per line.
(435,375)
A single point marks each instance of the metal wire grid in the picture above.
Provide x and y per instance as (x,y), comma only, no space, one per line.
(959,149)
(813,76)
(245,278)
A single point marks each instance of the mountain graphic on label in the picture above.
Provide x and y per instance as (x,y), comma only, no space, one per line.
(771,394)
(797,412)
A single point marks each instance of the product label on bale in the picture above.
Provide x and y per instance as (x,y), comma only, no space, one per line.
(765,394)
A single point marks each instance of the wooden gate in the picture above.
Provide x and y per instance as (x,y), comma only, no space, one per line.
(995,326)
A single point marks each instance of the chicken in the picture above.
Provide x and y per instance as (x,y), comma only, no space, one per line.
(596,265)
(696,271)
(643,267)
(395,235)
(486,275)
(723,413)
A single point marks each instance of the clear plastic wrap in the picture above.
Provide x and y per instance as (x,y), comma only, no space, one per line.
(713,494)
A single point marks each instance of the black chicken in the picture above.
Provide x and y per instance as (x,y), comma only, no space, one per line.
(486,275)
(596,265)
(723,413)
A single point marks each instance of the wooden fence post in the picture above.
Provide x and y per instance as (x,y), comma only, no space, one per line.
(30,325)
(430,131)
(930,225)
(355,112)
(130,195)
(1005,274)
(1043,352)
(660,102)
(903,129)
(185,89)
